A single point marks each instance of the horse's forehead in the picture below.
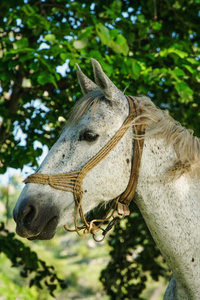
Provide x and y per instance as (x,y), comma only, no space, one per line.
(102,117)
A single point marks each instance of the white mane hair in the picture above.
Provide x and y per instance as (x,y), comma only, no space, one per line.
(158,123)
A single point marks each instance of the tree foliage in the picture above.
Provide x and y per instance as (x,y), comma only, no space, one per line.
(22,257)
(149,47)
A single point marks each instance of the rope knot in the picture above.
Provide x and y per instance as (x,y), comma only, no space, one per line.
(123,209)
(93,229)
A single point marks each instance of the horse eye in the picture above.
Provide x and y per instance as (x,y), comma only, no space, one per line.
(88,136)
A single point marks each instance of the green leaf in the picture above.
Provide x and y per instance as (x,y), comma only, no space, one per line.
(31,23)
(120,49)
(198,78)
(22,43)
(177,5)
(85,33)
(108,68)
(119,44)
(136,69)
(157,26)
(80,44)
(116,5)
(178,72)
(166,52)
(184,91)
(192,61)
(65,56)
(95,54)
(29,10)
(20,50)
(50,37)
(44,78)
(121,40)
(190,69)
(103,33)
(114,33)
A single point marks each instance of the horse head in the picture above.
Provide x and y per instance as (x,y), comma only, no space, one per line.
(96,118)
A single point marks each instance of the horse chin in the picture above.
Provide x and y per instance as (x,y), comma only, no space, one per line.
(42,236)
(47,232)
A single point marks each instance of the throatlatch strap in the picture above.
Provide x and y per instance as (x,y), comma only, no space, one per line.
(127,196)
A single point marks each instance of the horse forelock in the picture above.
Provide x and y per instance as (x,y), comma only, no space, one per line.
(82,106)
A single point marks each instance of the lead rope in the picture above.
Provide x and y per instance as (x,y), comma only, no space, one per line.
(72,182)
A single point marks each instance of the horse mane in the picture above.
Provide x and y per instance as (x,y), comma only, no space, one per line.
(158,124)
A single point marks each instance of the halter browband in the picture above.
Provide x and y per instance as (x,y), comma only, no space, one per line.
(72,182)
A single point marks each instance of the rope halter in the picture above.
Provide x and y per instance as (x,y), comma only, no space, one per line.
(72,182)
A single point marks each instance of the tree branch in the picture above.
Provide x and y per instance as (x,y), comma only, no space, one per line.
(17,92)
(15,96)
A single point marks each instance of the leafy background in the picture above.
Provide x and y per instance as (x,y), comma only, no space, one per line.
(150,47)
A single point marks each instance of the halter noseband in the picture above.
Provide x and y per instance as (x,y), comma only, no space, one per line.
(72,182)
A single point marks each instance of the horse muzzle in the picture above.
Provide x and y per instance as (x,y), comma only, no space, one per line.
(34,221)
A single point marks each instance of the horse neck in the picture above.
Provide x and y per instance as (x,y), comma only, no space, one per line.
(171,211)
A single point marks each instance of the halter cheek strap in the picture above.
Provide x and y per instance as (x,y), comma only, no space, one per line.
(72,182)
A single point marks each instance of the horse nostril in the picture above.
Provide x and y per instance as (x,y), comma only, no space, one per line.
(29,214)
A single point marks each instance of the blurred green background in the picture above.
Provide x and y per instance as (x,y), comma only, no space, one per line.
(149,47)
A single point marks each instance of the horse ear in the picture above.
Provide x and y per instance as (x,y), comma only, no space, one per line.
(104,83)
(86,84)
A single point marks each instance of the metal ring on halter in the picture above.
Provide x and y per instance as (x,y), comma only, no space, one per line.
(101,239)
(105,231)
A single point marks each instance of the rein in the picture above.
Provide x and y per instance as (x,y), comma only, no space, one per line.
(72,182)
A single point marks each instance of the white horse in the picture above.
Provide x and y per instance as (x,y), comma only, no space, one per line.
(167,191)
